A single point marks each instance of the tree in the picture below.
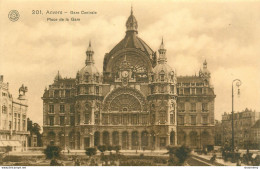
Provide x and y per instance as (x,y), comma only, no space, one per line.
(177,155)
(8,149)
(52,152)
(34,128)
(102,149)
(182,153)
(91,151)
(110,148)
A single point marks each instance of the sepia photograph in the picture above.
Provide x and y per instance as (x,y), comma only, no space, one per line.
(129,83)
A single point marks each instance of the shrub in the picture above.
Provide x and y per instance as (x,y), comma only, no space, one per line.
(91,151)
(52,152)
(102,148)
(177,155)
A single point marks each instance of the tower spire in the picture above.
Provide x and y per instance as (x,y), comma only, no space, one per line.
(131,9)
(205,64)
(89,53)
(162,53)
(131,23)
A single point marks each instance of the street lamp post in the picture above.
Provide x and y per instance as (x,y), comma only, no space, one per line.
(238,83)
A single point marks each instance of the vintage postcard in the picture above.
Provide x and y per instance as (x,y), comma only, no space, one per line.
(129,83)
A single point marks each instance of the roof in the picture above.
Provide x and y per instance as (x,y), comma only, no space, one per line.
(189,79)
(131,40)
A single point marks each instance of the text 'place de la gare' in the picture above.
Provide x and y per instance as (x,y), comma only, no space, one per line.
(138,102)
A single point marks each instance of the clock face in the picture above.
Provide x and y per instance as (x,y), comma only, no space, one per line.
(124,73)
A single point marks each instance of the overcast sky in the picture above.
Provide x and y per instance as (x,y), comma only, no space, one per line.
(226,34)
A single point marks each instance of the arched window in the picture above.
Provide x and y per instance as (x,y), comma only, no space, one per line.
(96,117)
(88,114)
(162,89)
(115,138)
(162,117)
(72,140)
(96,138)
(152,78)
(172,117)
(97,78)
(125,140)
(135,139)
(162,76)
(144,139)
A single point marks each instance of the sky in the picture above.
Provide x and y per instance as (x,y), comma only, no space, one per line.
(226,34)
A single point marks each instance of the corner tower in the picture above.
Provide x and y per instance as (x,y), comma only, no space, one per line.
(162,100)
(88,97)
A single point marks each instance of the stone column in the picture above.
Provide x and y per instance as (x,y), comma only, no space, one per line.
(101,138)
(82,142)
(168,139)
(91,137)
(157,146)
(130,140)
(120,138)
(92,113)
(139,140)
(110,137)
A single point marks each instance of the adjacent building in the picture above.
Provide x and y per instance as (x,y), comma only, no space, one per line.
(13,118)
(255,135)
(138,102)
(243,121)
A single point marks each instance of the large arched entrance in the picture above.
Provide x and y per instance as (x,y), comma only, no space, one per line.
(172,138)
(61,140)
(106,138)
(78,140)
(72,140)
(181,138)
(125,141)
(153,139)
(135,141)
(96,138)
(205,138)
(115,138)
(193,139)
(144,139)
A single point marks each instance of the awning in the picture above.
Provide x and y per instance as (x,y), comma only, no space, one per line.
(12,143)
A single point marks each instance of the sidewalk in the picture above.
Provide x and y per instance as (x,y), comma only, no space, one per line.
(218,161)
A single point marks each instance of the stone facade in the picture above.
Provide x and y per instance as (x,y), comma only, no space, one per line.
(134,103)
(13,118)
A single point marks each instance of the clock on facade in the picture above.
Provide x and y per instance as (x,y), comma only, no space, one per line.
(125,74)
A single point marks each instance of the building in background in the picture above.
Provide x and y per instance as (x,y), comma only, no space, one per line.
(218,133)
(243,121)
(255,136)
(13,115)
(35,137)
(132,104)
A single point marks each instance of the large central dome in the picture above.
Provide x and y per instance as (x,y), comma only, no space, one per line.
(131,42)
